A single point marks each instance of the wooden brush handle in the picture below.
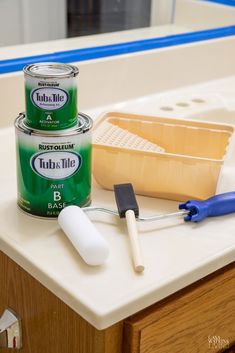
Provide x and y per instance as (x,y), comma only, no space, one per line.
(134,241)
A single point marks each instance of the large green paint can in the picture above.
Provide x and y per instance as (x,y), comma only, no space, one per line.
(53,169)
(51,96)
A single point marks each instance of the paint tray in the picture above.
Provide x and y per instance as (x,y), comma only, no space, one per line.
(162,157)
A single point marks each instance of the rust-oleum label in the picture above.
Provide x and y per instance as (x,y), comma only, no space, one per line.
(49,98)
(53,172)
(51,108)
(56,165)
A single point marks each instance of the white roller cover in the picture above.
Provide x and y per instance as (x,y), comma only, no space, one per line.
(83,235)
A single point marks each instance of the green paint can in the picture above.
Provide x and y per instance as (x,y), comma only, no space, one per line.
(51,96)
(53,169)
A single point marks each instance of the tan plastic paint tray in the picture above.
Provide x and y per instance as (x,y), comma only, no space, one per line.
(162,157)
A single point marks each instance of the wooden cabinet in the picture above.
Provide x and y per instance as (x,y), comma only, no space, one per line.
(49,325)
(184,322)
(197,319)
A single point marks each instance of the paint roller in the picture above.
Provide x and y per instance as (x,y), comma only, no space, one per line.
(94,249)
(87,240)
(84,236)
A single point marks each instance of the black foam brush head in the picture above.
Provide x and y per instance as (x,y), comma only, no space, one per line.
(125,199)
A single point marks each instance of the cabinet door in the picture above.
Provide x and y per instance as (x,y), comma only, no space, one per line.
(200,318)
(49,325)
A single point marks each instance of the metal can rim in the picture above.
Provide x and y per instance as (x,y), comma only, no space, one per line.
(72,72)
(84,124)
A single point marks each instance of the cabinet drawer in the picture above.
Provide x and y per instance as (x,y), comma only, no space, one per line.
(199,318)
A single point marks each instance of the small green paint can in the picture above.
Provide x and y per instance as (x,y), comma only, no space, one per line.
(53,169)
(51,96)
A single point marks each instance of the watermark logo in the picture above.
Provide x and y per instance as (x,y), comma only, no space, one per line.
(217,342)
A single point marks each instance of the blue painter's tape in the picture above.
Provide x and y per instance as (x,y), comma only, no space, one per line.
(77,55)
(223,2)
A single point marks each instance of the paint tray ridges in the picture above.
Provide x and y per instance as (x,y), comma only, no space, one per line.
(112,135)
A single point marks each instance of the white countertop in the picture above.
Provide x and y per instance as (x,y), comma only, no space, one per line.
(176,253)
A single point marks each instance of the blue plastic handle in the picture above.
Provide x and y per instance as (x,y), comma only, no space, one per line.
(215,206)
